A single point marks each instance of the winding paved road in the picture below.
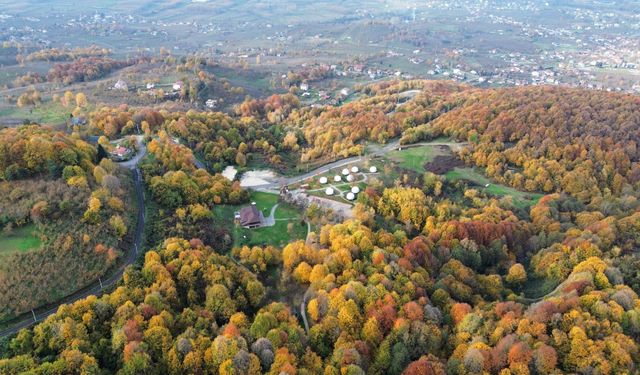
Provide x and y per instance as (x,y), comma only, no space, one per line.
(378,151)
(98,287)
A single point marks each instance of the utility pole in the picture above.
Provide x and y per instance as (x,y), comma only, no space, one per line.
(34,316)
(100,280)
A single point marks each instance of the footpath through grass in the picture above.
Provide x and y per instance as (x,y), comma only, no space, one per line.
(21,239)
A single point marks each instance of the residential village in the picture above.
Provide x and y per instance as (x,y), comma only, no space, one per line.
(582,47)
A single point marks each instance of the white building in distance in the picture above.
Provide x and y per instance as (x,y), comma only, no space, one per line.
(121,85)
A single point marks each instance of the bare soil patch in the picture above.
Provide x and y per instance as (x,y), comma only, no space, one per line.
(442,164)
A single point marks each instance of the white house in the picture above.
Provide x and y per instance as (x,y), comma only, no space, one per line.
(355,190)
(178,86)
(150,86)
(121,85)
(323,180)
(329,191)
(337,178)
(304,86)
(351,196)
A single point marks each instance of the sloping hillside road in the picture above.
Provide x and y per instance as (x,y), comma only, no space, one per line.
(103,283)
(377,151)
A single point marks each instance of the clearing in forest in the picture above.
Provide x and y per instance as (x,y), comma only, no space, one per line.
(20,239)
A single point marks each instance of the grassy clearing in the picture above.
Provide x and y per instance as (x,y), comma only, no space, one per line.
(277,235)
(414,158)
(46,113)
(22,239)
(520,198)
(289,166)
(314,182)
(264,201)
(335,197)
(254,82)
(286,211)
(538,287)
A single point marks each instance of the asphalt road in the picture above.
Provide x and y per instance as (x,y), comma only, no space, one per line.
(98,287)
(325,168)
(377,151)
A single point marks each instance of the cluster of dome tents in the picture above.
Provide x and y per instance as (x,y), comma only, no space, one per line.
(349,177)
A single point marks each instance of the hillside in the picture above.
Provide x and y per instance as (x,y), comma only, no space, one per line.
(76,211)
(503,242)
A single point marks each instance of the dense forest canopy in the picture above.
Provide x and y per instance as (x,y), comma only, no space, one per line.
(429,276)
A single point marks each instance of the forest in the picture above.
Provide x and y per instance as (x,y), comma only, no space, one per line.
(86,69)
(79,209)
(63,54)
(185,194)
(429,276)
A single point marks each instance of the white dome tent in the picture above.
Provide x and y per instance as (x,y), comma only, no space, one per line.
(337,178)
(373,169)
(351,196)
(355,190)
(329,191)
(323,180)
(345,172)
(350,178)
(355,169)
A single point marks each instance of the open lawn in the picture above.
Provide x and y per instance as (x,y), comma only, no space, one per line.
(286,211)
(414,158)
(520,198)
(264,201)
(46,113)
(277,235)
(20,240)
